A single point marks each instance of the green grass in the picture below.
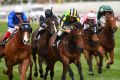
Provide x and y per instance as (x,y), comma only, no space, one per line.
(111,74)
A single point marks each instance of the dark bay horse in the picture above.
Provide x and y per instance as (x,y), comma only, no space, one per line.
(106,37)
(68,52)
(18,51)
(40,47)
(92,47)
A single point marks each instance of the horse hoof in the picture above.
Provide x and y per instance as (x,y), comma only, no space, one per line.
(99,70)
(91,73)
(107,66)
(36,74)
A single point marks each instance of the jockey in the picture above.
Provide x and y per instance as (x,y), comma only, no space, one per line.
(48,15)
(87,19)
(102,11)
(15,17)
(68,18)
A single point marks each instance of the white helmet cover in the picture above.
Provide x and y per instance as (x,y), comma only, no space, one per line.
(18,9)
(91,15)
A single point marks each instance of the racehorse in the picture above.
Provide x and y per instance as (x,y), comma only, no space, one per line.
(18,51)
(41,46)
(106,37)
(92,47)
(68,51)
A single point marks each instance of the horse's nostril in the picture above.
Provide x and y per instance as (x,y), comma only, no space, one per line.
(25,42)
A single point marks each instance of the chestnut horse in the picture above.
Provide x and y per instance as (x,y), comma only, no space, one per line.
(106,37)
(18,51)
(41,46)
(92,47)
(68,51)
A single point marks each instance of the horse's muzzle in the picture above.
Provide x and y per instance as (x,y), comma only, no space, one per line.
(26,42)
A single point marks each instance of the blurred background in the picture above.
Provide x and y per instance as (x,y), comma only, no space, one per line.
(37,7)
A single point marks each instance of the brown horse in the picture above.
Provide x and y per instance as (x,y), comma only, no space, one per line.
(68,52)
(18,51)
(106,37)
(91,47)
(41,46)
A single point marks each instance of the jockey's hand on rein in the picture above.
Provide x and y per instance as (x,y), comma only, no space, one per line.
(17,27)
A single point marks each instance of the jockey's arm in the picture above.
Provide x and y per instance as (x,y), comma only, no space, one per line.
(62,23)
(78,19)
(10,21)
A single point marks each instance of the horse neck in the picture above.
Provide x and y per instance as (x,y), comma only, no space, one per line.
(108,29)
(73,38)
(45,37)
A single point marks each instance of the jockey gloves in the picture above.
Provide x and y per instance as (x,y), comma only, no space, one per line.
(59,33)
(16,27)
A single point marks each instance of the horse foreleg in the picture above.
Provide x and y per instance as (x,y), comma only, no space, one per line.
(24,69)
(34,59)
(10,74)
(30,73)
(66,67)
(64,71)
(106,56)
(9,69)
(20,68)
(79,67)
(100,63)
(52,70)
(70,72)
(111,56)
(107,61)
(97,63)
(47,69)
(40,67)
(89,62)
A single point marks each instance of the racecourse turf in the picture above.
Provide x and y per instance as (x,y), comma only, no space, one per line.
(108,74)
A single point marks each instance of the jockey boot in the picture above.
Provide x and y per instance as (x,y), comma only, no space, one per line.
(55,41)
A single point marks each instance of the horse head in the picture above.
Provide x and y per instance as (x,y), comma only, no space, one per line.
(92,31)
(25,31)
(111,22)
(52,25)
